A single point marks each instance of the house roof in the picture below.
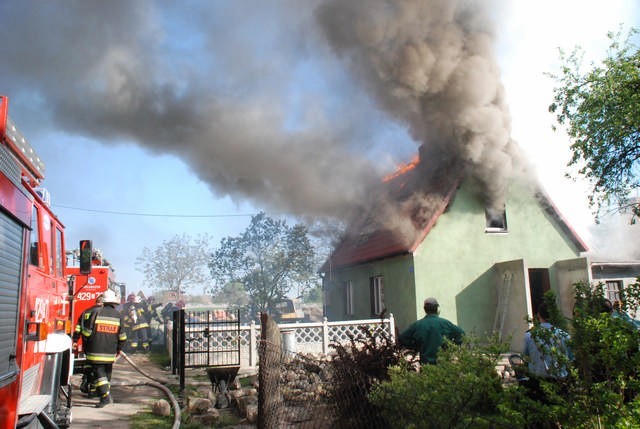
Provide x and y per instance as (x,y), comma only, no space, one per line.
(553,211)
(423,191)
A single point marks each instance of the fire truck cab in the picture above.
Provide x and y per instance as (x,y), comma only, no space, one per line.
(89,276)
(35,326)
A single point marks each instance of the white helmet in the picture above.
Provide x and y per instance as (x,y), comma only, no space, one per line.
(110,297)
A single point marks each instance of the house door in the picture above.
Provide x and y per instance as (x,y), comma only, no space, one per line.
(512,301)
(538,285)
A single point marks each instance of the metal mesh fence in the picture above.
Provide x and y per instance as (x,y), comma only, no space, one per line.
(302,391)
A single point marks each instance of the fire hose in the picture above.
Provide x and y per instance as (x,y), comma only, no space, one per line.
(157,384)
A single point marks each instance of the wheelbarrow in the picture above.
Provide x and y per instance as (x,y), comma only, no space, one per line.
(221,377)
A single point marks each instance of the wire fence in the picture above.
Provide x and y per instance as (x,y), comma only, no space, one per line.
(299,386)
(305,392)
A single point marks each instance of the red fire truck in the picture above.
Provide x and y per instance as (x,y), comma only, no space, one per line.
(35,315)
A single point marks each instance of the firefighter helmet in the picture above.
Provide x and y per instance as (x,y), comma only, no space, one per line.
(110,297)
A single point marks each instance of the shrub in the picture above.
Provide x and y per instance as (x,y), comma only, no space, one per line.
(462,390)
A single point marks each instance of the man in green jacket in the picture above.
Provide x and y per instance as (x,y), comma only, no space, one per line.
(427,334)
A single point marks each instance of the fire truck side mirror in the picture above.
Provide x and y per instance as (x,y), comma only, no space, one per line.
(86,253)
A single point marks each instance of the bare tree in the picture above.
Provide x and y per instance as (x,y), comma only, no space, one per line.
(177,264)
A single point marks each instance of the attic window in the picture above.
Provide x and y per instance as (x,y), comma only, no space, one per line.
(496,220)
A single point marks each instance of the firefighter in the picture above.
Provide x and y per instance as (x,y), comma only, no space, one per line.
(151,313)
(130,317)
(103,336)
(87,384)
(137,319)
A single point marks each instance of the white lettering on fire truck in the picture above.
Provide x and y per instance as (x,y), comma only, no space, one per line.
(41,309)
(86,296)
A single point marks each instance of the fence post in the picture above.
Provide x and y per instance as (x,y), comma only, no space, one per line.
(392,328)
(253,346)
(325,336)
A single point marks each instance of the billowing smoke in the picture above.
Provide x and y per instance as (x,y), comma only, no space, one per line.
(255,100)
(430,63)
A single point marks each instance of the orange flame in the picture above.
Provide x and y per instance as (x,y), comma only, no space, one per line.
(403,168)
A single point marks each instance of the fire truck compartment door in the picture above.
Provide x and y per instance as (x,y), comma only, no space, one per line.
(34,404)
(11,244)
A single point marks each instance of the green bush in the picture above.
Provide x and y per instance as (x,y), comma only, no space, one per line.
(462,390)
(377,387)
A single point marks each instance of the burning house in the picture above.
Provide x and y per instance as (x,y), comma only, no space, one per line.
(430,233)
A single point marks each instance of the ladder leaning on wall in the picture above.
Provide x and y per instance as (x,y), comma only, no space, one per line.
(504,294)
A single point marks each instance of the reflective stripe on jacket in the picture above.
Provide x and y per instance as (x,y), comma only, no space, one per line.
(103,334)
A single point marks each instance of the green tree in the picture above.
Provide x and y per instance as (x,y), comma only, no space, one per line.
(600,110)
(313,296)
(176,265)
(269,259)
(233,294)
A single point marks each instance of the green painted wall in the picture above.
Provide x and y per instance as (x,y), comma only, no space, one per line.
(399,289)
(456,264)
(456,261)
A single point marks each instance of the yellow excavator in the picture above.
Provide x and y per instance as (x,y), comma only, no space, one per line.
(287,310)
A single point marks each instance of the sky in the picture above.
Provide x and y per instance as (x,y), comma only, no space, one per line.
(162,118)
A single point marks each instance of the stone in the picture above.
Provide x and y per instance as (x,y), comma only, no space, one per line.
(209,418)
(161,408)
(200,406)
(252,413)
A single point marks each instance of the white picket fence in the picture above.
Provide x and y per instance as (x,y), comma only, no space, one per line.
(314,338)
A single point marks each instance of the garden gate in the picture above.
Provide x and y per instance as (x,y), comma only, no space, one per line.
(207,339)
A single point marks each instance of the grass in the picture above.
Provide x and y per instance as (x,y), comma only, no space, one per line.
(160,357)
(146,419)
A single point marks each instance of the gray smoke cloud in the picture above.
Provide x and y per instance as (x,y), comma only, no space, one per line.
(253,97)
(431,64)
(219,97)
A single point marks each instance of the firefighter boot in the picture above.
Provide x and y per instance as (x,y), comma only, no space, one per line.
(84,386)
(104,401)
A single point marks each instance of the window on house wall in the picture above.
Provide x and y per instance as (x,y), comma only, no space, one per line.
(613,291)
(495,220)
(348,298)
(376,286)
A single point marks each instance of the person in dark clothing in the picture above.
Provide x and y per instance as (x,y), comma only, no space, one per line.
(546,351)
(427,335)
(135,317)
(87,384)
(151,314)
(104,337)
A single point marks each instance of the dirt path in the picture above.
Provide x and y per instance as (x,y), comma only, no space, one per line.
(128,398)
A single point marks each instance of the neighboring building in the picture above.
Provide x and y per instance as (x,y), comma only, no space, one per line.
(615,277)
(488,270)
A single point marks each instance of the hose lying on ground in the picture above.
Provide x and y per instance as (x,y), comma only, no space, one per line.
(157,384)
